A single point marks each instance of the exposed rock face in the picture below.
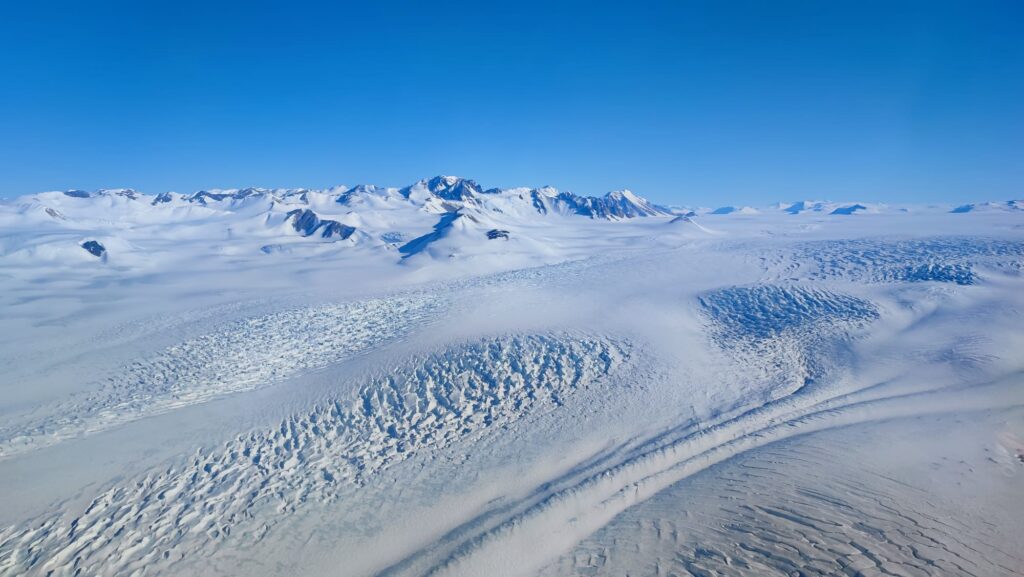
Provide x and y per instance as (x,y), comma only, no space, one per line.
(615,205)
(203,196)
(162,198)
(852,209)
(127,193)
(417,245)
(496,233)
(334,229)
(805,206)
(1009,205)
(94,248)
(307,223)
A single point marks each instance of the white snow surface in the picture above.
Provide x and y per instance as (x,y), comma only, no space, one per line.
(371,381)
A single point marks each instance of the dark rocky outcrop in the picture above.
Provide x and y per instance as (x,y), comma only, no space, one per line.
(307,223)
(852,209)
(94,248)
(203,196)
(614,205)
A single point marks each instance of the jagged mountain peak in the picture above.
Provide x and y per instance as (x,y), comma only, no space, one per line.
(445,188)
(443,215)
(612,206)
(438,194)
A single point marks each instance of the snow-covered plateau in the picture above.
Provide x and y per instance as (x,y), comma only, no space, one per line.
(448,380)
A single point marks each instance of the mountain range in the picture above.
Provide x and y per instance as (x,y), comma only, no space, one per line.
(439,217)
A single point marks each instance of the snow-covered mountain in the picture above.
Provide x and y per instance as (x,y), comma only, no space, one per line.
(734,210)
(1007,206)
(829,207)
(439,217)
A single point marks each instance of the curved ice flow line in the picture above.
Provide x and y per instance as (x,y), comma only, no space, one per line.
(247,354)
(586,499)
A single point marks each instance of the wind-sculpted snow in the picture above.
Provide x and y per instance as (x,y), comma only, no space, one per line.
(238,492)
(816,515)
(245,355)
(789,331)
(951,260)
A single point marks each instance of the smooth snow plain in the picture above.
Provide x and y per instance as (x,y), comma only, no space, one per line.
(779,391)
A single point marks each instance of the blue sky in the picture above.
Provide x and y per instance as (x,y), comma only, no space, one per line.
(684,102)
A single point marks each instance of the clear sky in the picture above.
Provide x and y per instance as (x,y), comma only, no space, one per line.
(684,102)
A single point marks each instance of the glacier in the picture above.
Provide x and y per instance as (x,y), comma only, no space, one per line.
(445,379)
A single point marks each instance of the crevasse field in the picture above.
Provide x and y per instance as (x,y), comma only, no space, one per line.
(450,381)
